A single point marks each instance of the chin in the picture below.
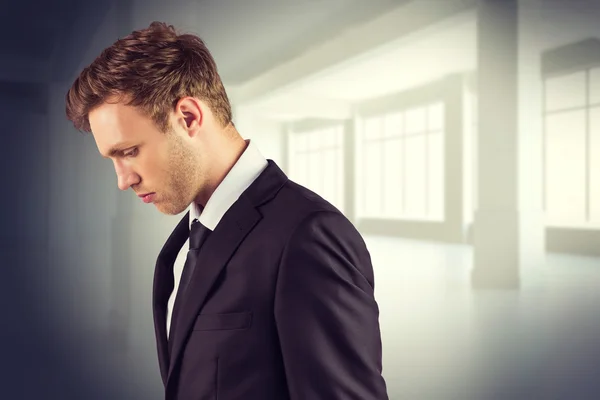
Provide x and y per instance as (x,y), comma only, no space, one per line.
(169,209)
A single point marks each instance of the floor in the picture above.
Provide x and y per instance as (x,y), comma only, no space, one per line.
(443,340)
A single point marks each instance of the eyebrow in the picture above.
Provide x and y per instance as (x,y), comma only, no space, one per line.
(113,151)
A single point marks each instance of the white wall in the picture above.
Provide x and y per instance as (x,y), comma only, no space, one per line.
(265,133)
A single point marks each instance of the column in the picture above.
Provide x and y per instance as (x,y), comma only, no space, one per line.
(508,228)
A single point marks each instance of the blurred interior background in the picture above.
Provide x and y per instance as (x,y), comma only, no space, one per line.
(461,137)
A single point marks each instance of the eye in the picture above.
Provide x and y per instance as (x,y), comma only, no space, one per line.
(131,153)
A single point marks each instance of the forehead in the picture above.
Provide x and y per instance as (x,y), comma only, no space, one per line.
(115,125)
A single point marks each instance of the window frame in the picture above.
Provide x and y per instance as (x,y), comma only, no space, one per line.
(448,90)
(587,107)
(310,125)
(403,136)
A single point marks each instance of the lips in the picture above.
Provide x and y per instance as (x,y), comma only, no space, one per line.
(147,197)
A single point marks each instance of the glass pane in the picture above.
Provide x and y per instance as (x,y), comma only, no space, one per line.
(360,128)
(595,165)
(315,175)
(299,169)
(314,140)
(328,137)
(373,179)
(329,172)
(309,140)
(373,128)
(416,120)
(360,172)
(339,136)
(435,178)
(392,201)
(435,119)
(565,168)
(566,91)
(415,176)
(595,86)
(393,125)
(299,142)
(340,179)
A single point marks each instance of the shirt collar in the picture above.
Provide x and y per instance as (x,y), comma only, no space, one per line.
(247,168)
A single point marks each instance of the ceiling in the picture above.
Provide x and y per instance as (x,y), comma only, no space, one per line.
(426,55)
(446,48)
(245,37)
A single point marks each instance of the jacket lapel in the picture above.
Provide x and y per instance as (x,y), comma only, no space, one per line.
(216,251)
(219,247)
(163,286)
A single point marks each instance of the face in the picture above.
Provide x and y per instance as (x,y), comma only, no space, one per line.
(167,165)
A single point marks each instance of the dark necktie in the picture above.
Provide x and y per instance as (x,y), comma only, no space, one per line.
(198,234)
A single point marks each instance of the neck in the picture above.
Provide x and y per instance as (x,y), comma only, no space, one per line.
(228,148)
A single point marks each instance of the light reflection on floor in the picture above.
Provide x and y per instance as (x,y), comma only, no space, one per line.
(442,340)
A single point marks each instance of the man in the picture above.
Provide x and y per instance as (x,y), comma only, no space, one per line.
(263,290)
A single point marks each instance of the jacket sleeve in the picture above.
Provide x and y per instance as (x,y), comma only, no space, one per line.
(326,314)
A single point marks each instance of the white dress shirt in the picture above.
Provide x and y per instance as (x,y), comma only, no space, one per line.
(247,168)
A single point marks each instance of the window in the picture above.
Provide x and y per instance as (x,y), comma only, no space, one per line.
(317,162)
(403,164)
(572,144)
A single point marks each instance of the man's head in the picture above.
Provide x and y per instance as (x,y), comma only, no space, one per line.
(157,108)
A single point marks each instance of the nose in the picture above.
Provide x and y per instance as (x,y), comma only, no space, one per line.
(123,182)
(126,178)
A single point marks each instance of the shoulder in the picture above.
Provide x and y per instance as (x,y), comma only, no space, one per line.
(317,222)
(298,216)
(297,207)
(322,245)
(301,201)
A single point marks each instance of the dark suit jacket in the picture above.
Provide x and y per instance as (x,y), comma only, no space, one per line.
(280,305)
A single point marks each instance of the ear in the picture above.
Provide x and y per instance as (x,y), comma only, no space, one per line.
(189,118)
(191,112)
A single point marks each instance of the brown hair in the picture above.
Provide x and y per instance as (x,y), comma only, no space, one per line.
(153,68)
